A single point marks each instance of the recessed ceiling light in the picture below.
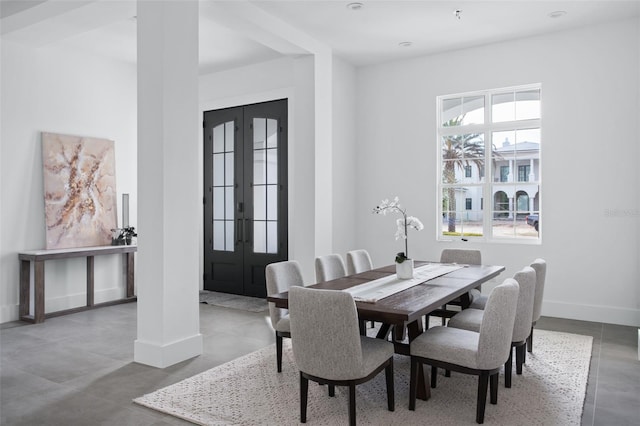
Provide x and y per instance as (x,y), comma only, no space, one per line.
(355,6)
(405,44)
(557,14)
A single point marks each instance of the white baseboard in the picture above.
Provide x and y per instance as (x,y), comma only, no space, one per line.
(10,313)
(596,313)
(162,356)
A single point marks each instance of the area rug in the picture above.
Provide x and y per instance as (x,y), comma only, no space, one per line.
(234,301)
(249,391)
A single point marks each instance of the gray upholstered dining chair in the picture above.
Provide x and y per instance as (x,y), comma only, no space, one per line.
(328,348)
(358,261)
(481,354)
(540,266)
(463,257)
(471,319)
(280,277)
(330,267)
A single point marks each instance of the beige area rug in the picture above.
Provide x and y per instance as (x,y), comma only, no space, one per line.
(249,391)
(234,301)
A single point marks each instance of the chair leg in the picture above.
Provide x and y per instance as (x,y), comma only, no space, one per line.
(520,354)
(279,352)
(363,327)
(483,382)
(530,341)
(304,387)
(508,366)
(352,404)
(413,383)
(391,398)
(447,373)
(493,388)
(434,373)
(332,390)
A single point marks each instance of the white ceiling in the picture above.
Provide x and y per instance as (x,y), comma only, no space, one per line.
(237,33)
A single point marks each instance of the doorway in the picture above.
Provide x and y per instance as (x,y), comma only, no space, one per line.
(245,196)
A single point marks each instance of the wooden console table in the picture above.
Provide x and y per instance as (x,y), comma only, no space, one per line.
(38,258)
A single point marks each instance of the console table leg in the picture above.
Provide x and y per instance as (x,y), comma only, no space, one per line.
(25,284)
(130,271)
(90,277)
(38,285)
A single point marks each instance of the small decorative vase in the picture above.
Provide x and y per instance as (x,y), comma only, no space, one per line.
(404,270)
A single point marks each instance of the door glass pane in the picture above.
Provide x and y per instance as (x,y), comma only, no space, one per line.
(259,202)
(229,235)
(272,133)
(259,166)
(228,175)
(272,166)
(259,132)
(218,138)
(218,169)
(272,237)
(272,202)
(218,203)
(228,136)
(259,236)
(218,235)
(229,203)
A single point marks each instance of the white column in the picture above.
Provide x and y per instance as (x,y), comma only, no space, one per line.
(532,174)
(169,204)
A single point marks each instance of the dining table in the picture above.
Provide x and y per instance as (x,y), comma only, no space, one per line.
(401,310)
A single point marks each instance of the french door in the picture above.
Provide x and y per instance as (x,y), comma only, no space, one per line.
(245,195)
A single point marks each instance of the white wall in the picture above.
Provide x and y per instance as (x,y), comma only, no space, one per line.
(345,172)
(59,91)
(590,155)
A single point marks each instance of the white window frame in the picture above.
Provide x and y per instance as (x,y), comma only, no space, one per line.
(487,186)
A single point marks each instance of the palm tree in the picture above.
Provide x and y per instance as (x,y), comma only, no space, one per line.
(459,151)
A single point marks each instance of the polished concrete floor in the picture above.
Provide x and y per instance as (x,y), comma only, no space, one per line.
(78,369)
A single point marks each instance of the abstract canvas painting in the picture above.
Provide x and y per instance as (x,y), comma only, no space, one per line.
(79,190)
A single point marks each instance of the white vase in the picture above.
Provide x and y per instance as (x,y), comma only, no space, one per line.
(404,270)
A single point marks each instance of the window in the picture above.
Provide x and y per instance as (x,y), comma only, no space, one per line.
(504,173)
(497,134)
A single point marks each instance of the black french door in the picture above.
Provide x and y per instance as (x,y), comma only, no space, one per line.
(245,195)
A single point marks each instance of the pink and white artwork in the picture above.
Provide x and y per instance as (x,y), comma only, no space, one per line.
(79,190)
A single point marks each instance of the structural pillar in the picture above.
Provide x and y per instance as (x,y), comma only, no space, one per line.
(169,203)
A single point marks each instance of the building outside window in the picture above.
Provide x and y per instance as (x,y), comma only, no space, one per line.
(494,132)
(523,173)
(504,173)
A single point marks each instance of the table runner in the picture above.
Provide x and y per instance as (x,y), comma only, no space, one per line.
(375,290)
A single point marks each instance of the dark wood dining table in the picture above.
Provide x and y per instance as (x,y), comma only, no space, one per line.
(404,310)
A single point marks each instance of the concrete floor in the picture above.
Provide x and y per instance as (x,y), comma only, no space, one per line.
(78,369)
